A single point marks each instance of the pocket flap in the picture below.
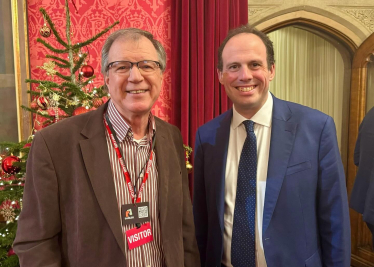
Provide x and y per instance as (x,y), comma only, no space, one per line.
(299,167)
(314,260)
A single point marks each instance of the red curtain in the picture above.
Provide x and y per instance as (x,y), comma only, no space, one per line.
(198,28)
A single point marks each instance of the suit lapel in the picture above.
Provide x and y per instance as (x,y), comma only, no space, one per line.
(282,139)
(219,166)
(96,159)
(165,160)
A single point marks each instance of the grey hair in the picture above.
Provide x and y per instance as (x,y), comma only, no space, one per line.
(133,34)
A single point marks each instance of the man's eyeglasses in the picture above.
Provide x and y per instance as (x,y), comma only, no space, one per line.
(124,67)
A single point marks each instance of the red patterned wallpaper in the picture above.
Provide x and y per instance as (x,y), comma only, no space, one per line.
(92,17)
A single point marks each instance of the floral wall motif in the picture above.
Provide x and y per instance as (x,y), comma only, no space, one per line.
(92,16)
(363,15)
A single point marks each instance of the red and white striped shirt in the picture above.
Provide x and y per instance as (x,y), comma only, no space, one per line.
(136,155)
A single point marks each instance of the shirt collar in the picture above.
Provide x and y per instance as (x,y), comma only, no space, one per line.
(123,129)
(262,117)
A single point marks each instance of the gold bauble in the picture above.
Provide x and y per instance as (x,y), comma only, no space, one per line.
(45,31)
(189,167)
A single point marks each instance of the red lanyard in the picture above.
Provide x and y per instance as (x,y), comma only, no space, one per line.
(117,148)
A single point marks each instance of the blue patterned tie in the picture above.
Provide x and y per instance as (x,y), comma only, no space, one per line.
(243,246)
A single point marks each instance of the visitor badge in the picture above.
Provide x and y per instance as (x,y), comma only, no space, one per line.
(139,236)
(135,213)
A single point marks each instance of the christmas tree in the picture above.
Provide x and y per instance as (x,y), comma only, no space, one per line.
(67,92)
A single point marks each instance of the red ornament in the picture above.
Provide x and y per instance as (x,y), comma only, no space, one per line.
(87,71)
(97,102)
(11,252)
(27,145)
(42,102)
(34,105)
(7,165)
(77,57)
(80,110)
(45,31)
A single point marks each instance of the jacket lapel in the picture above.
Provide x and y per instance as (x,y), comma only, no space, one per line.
(96,159)
(165,159)
(220,158)
(282,139)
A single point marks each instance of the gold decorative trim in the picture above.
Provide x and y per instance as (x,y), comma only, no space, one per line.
(17,65)
(27,58)
(21,53)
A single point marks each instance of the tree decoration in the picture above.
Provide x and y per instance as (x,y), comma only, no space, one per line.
(97,102)
(188,151)
(87,71)
(49,67)
(42,102)
(11,252)
(7,209)
(45,31)
(41,121)
(34,105)
(7,164)
(80,110)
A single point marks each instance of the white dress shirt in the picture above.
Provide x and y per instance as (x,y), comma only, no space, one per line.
(262,129)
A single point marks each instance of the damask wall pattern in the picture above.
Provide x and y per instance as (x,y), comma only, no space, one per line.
(92,16)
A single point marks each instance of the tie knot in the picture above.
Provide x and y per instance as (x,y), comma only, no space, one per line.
(248,125)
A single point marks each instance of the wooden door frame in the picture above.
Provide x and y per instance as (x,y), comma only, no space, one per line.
(362,255)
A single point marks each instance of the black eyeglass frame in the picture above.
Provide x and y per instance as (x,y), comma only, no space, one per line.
(133,63)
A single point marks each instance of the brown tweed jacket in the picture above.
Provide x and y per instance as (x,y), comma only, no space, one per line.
(70,215)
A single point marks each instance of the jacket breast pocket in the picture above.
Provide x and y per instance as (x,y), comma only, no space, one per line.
(299,167)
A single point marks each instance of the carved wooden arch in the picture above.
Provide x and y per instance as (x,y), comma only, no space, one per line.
(316,19)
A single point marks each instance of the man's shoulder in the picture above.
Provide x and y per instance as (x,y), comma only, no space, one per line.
(66,128)
(160,123)
(163,127)
(302,113)
(214,124)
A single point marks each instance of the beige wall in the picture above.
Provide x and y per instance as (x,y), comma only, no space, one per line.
(353,18)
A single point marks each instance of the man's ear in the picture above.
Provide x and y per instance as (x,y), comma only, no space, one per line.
(220,76)
(106,80)
(272,72)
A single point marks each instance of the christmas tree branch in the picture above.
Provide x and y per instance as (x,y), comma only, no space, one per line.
(63,66)
(74,88)
(47,45)
(32,93)
(65,77)
(45,83)
(58,58)
(88,81)
(95,37)
(32,110)
(52,26)
(79,63)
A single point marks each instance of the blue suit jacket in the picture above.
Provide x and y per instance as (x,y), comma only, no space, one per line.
(306,218)
(362,197)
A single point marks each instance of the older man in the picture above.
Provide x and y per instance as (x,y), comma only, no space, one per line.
(269,180)
(109,188)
